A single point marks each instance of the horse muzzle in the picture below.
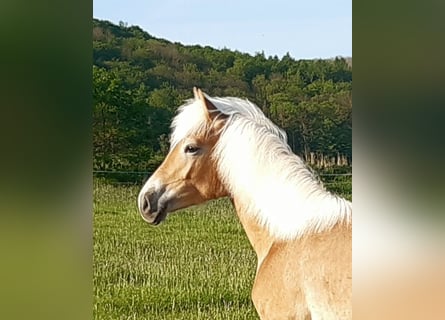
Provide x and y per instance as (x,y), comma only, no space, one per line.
(151,207)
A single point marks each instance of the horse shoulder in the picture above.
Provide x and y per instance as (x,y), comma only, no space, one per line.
(325,268)
(276,292)
(312,273)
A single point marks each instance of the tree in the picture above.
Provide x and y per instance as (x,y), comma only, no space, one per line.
(139,81)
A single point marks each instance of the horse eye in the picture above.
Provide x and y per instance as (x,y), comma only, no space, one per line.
(191,149)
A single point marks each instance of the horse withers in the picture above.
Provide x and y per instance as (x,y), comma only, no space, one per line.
(301,233)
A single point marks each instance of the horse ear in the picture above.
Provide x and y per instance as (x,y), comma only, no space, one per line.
(209,107)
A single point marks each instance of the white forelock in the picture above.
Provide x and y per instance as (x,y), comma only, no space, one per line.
(257,166)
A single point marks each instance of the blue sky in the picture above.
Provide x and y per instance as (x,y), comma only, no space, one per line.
(305,29)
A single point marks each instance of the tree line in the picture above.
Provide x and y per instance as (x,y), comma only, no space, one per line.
(140,80)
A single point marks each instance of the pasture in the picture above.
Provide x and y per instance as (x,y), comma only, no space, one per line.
(196,265)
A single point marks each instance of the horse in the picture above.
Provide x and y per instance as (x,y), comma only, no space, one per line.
(301,233)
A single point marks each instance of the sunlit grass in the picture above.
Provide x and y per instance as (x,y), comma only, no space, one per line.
(196,265)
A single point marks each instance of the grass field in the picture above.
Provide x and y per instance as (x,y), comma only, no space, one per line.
(198,264)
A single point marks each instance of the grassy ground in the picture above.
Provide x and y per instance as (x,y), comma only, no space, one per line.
(198,264)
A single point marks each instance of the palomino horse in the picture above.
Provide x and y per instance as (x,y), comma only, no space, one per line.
(300,232)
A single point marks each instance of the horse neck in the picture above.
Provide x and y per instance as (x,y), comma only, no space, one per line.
(275,193)
(275,204)
(259,238)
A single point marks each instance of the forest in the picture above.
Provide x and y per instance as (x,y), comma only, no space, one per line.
(140,80)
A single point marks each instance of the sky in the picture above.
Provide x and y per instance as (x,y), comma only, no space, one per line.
(304,29)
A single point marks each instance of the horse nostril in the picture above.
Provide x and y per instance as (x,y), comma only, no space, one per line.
(145,204)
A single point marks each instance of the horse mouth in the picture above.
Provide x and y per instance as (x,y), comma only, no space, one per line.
(153,207)
(156,217)
(162,214)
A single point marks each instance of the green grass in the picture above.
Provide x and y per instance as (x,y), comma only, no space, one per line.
(198,264)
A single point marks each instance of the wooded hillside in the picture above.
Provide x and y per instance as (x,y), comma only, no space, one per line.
(139,81)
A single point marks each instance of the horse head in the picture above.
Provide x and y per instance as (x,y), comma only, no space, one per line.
(188,174)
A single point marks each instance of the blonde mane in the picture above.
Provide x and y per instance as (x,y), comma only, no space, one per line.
(256,164)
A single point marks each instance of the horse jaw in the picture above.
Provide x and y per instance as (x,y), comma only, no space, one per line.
(156,200)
